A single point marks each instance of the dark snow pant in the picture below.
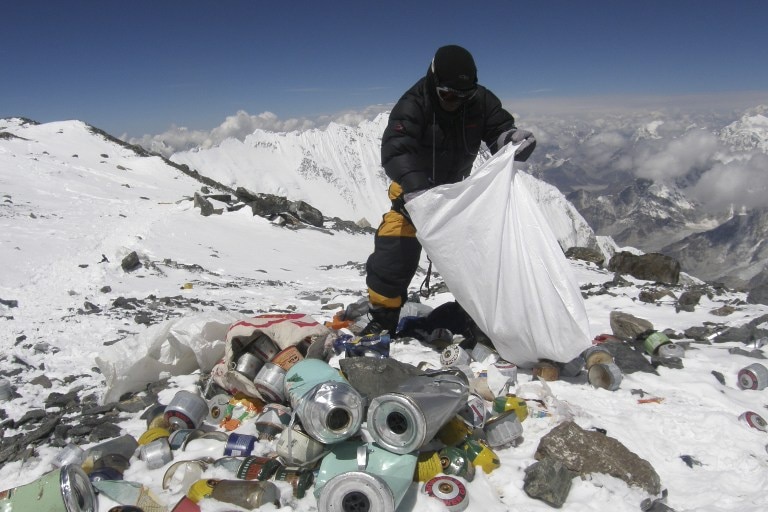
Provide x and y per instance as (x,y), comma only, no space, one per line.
(395,258)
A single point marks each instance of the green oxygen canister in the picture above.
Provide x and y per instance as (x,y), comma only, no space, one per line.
(66,489)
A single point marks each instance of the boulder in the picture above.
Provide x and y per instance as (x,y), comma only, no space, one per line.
(650,267)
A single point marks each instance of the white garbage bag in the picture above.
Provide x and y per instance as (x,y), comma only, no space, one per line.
(493,246)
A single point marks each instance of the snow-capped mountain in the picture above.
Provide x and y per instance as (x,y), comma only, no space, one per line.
(750,132)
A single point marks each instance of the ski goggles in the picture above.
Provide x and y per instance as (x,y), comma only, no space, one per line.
(451,95)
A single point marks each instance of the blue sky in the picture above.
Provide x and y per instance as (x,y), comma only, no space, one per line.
(140,67)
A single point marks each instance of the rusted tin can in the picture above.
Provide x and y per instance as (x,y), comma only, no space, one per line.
(754,420)
(248,365)
(66,489)
(545,370)
(607,376)
(270,382)
(428,465)
(455,461)
(754,376)
(481,455)
(249,494)
(510,402)
(596,355)
(287,357)
(273,419)
(239,445)
(454,355)
(300,479)
(450,491)
(264,348)
(503,430)
(258,468)
(153,433)
(156,454)
(186,410)
(653,341)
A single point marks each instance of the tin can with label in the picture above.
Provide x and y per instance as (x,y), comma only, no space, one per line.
(653,341)
(754,376)
(264,348)
(503,430)
(287,357)
(248,365)
(66,489)
(156,454)
(270,382)
(454,355)
(239,445)
(249,494)
(273,419)
(186,410)
(451,492)
(754,420)
(545,370)
(481,455)
(296,448)
(607,376)
(507,369)
(475,413)
(455,461)
(300,479)
(596,355)
(428,465)
(510,402)
(258,468)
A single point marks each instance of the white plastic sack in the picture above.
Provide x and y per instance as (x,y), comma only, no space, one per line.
(176,347)
(491,243)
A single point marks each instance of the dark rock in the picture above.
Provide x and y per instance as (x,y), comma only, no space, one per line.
(688,301)
(373,376)
(653,295)
(651,267)
(131,262)
(33,416)
(206,207)
(61,400)
(719,376)
(628,357)
(626,326)
(586,254)
(143,318)
(549,481)
(100,409)
(104,431)
(758,294)
(306,213)
(588,452)
(747,333)
(9,303)
(700,333)
(723,311)
(135,404)
(105,289)
(42,380)
(755,353)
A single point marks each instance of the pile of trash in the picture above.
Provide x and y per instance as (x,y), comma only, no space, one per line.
(273,412)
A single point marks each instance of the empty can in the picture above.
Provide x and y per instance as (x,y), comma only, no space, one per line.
(263,347)
(248,365)
(249,494)
(258,468)
(754,376)
(454,355)
(270,382)
(671,350)
(607,376)
(356,490)
(596,355)
(300,479)
(240,444)
(287,357)
(503,430)
(66,489)
(156,454)
(754,420)
(653,341)
(451,492)
(186,410)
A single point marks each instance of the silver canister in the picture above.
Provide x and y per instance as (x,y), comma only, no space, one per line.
(408,418)
(671,350)
(356,490)
(596,355)
(156,454)
(507,369)
(484,354)
(264,348)
(273,419)
(70,454)
(248,365)
(754,376)
(270,382)
(454,355)
(450,491)
(217,408)
(605,375)
(186,410)
(503,430)
(296,448)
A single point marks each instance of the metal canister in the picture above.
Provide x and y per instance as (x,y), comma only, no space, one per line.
(545,370)
(70,454)
(475,413)
(596,355)
(153,433)
(754,420)
(296,448)
(270,382)
(273,419)
(754,376)
(217,408)
(258,468)
(248,365)
(451,492)
(249,494)
(481,455)
(484,354)
(287,357)
(653,341)
(201,489)
(428,465)
(155,417)
(510,402)
(455,461)
(671,350)
(406,419)
(356,490)
(156,454)
(503,430)
(179,438)
(181,475)
(264,348)
(66,489)
(607,376)
(125,445)
(109,467)
(240,444)
(506,369)
(186,410)
(300,479)
(330,409)
(454,355)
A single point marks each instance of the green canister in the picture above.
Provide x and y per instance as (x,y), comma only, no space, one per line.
(66,489)
(654,340)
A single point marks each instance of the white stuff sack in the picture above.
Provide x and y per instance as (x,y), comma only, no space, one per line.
(493,246)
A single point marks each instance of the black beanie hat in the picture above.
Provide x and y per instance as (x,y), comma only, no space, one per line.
(454,67)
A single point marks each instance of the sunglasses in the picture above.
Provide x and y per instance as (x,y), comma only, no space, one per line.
(450,95)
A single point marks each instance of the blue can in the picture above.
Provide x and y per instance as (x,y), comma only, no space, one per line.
(240,445)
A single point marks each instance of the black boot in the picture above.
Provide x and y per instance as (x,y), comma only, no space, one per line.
(382,319)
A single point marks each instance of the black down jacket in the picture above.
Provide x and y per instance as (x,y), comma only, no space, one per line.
(423,145)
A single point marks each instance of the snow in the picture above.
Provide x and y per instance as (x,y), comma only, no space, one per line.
(67,221)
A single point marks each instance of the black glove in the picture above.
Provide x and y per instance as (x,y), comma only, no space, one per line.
(523,137)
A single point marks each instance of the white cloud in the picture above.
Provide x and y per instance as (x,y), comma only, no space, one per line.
(693,150)
(742,182)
